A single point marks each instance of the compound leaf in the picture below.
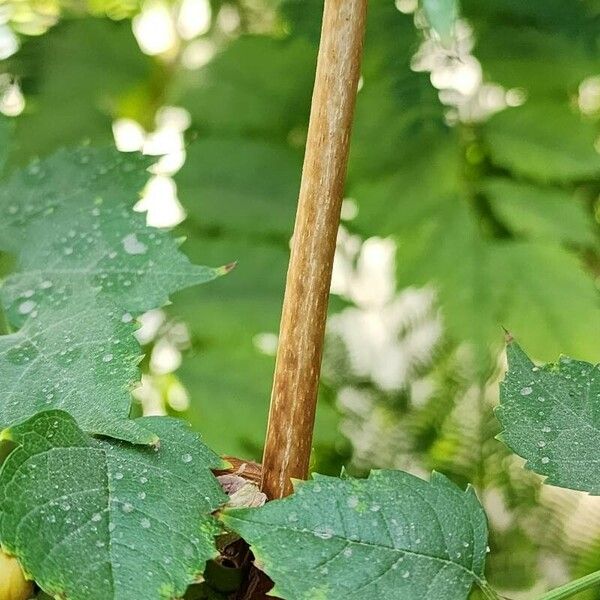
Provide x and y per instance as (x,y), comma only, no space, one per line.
(390,536)
(104,520)
(551,417)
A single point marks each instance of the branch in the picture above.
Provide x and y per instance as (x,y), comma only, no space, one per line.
(297,370)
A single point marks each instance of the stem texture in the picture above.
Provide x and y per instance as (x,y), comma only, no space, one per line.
(295,386)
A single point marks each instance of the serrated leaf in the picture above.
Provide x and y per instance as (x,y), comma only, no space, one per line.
(88,264)
(547,142)
(88,235)
(390,536)
(544,213)
(70,354)
(551,417)
(98,520)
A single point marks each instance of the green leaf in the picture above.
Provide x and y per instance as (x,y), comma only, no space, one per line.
(71,355)
(256,85)
(256,181)
(88,236)
(544,141)
(76,79)
(442,16)
(543,213)
(390,536)
(550,416)
(550,302)
(98,520)
(93,266)
(541,63)
(5,130)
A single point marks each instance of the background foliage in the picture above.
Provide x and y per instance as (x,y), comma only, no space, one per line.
(472,205)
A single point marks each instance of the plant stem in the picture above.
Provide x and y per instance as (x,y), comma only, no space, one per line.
(573,587)
(488,591)
(296,380)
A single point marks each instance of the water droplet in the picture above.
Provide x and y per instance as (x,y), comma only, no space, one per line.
(118,475)
(526,391)
(325,533)
(545,460)
(145,523)
(187,458)
(26,307)
(127,507)
(352,502)
(132,245)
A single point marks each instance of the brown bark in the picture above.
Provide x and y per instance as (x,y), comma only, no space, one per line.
(296,380)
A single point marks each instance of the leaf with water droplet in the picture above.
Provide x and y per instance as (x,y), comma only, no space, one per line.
(84,532)
(60,359)
(551,417)
(70,219)
(390,536)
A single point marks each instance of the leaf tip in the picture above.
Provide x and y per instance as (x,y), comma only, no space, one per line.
(227,268)
(508,336)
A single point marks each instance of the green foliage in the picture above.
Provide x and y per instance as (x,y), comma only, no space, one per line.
(54,361)
(90,232)
(497,212)
(549,416)
(77,78)
(99,519)
(540,213)
(391,535)
(547,142)
(95,265)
